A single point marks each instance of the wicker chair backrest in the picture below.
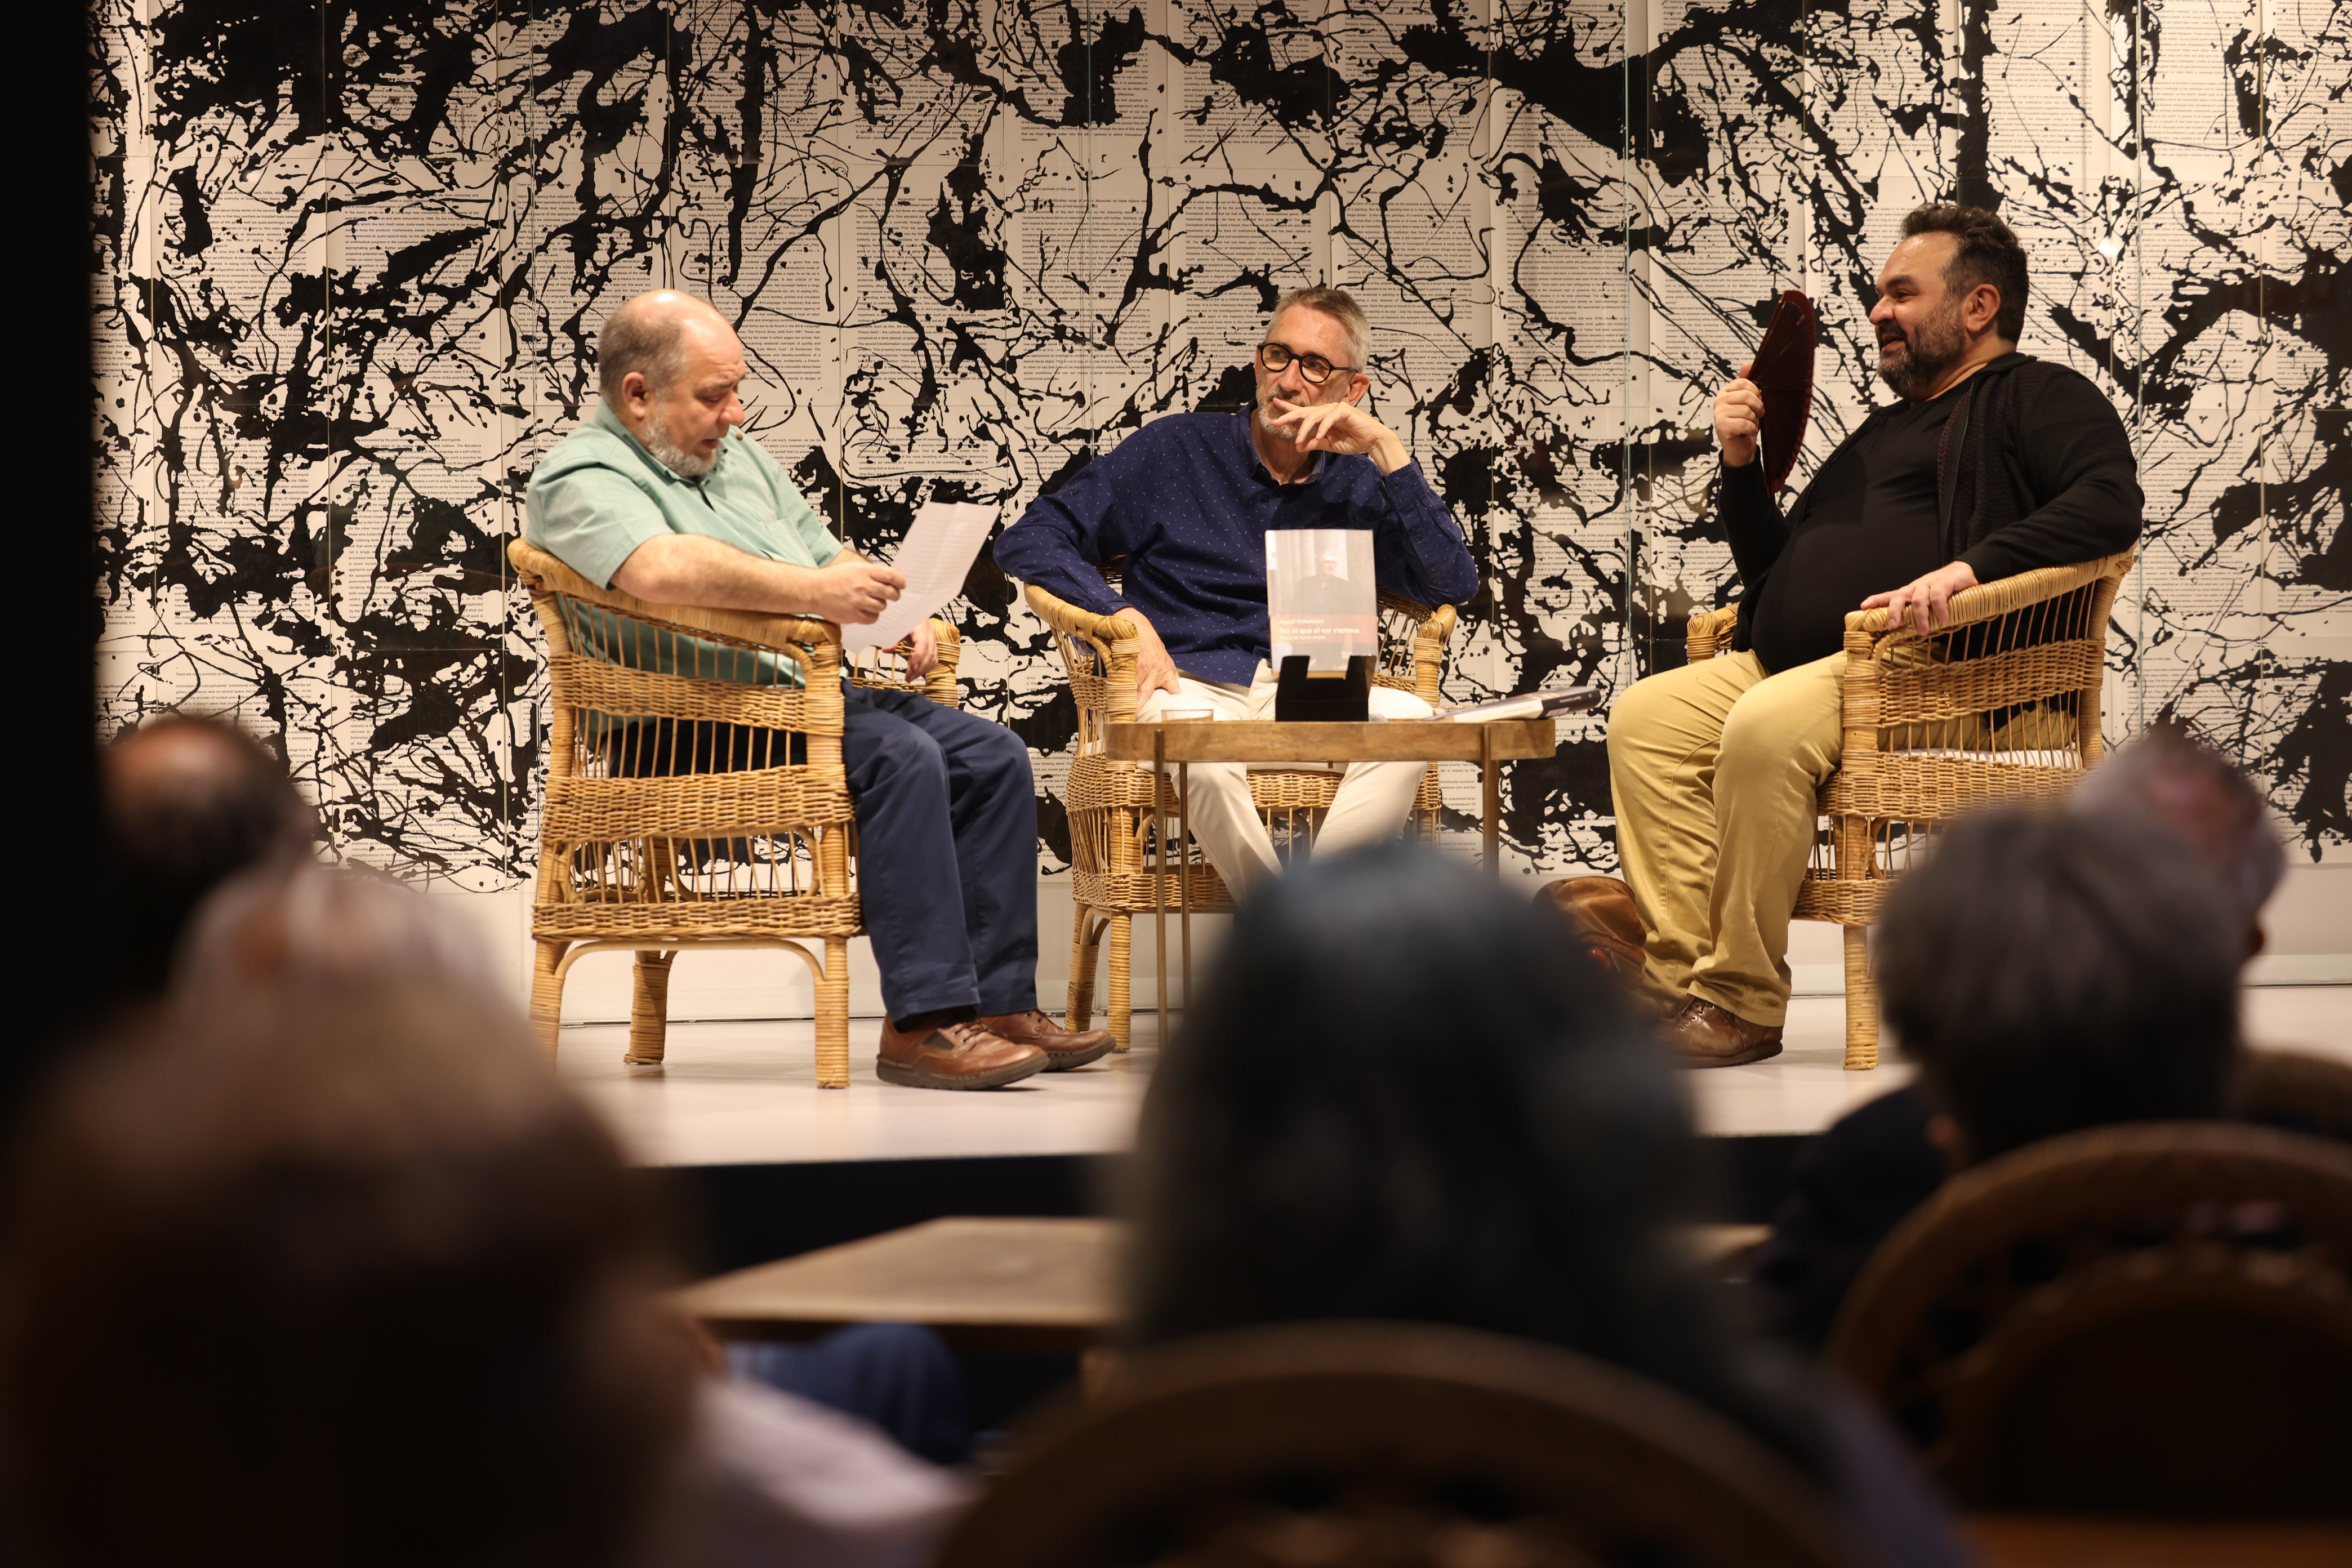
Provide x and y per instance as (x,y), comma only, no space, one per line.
(2297,1093)
(2148,1321)
(1334,1445)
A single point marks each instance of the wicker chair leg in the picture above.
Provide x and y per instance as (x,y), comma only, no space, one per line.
(833,1016)
(1081,1009)
(649,1008)
(1860,1003)
(1122,965)
(547,993)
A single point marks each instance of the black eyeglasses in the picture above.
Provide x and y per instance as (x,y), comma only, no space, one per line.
(1276,358)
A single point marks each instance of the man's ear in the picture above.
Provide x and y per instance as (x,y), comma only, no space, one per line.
(1982,308)
(1359,383)
(636,389)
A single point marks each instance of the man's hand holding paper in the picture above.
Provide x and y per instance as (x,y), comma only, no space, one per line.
(931,562)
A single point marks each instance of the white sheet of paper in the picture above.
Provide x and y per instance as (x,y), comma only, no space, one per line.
(934,557)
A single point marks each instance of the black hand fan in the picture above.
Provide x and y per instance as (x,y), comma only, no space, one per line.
(1783,372)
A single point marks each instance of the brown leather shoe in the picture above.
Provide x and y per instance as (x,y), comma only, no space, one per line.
(1706,1036)
(1605,926)
(1064,1048)
(952,1055)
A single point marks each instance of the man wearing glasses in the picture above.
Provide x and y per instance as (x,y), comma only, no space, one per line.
(1188,500)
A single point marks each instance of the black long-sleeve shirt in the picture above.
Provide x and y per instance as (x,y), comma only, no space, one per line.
(2033,468)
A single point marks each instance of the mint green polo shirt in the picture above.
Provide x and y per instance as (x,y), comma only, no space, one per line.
(600,494)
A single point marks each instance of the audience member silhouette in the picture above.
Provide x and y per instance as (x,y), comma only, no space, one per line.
(318,1264)
(2048,972)
(188,804)
(2191,790)
(1392,1100)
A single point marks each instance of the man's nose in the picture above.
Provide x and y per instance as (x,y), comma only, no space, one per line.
(732,415)
(1883,309)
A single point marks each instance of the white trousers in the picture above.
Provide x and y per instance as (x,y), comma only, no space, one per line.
(1373,800)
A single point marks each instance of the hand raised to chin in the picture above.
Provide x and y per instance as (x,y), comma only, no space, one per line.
(1340,428)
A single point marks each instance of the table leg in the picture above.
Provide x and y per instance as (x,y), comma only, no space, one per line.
(1491,799)
(1159,869)
(1185,868)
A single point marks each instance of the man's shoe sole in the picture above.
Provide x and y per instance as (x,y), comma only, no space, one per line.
(1069,1059)
(916,1078)
(1762,1050)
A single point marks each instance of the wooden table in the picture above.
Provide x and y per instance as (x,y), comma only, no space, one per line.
(1270,742)
(1003,1284)
(2037,1540)
(1006,1284)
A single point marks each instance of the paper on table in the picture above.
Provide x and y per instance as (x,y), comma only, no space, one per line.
(934,557)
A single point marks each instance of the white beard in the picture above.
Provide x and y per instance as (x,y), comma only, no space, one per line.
(686,465)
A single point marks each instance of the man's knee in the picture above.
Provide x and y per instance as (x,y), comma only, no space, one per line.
(1635,712)
(888,749)
(1766,734)
(1001,758)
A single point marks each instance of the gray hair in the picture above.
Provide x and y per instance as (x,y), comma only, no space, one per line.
(640,338)
(1341,307)
(2169,775)
(334,927)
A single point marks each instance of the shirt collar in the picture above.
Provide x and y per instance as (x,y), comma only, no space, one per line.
(1249,451)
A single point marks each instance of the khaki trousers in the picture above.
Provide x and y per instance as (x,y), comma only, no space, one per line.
(1717,768)
(1373,800)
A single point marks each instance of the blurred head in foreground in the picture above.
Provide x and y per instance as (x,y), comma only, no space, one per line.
(1394,1101)
(188,804)
(2051,972)
(331,1270)
(2169,778)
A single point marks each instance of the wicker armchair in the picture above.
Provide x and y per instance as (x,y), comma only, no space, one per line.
(2000,705)
(2139,1321)
(644,849)
(1110,804)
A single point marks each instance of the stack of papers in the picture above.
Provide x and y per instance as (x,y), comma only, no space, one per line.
(1528,705)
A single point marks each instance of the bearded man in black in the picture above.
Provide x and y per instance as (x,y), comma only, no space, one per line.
(1991,463)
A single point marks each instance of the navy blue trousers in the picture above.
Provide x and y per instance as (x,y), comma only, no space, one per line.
(946,839)
(947,853)
(900,1377)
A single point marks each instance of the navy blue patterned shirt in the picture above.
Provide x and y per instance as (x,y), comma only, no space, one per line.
(1187,501)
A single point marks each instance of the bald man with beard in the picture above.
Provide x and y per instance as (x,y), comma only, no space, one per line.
(659,495)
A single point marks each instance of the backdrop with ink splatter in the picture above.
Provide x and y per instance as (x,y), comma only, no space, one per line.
(354,256)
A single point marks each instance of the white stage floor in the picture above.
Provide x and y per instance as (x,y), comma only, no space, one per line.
(745,1093)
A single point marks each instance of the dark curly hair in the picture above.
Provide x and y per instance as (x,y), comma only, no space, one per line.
(1985,251)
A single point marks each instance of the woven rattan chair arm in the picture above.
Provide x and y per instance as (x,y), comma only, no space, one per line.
(885,668)
(1998,597)
(1709,632)
(544,573)
(1071,621)
(1114,640)
(1432,629)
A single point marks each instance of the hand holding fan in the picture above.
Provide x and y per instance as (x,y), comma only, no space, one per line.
(1783,372)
